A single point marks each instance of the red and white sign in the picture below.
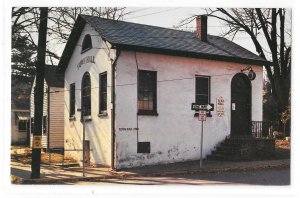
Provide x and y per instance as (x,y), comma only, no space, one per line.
(202,116)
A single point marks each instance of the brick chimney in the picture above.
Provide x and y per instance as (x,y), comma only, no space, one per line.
(201,25)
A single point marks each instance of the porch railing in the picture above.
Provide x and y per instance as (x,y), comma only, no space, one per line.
(263,129)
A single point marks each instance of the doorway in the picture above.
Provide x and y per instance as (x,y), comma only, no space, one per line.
(240,106)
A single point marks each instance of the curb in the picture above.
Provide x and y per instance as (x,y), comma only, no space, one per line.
(18,180)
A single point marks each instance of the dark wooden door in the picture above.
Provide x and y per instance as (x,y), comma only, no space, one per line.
(240,105)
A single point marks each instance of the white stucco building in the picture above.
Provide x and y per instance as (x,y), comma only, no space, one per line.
(134,85)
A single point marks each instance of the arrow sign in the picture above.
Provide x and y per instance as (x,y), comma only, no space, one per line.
(205,107)
(210,107)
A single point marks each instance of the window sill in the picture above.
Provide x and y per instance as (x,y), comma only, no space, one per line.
(103,114)
(72,118)
(85,50)
(86,119)
(147,113)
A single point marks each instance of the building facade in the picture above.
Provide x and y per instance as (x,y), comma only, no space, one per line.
(19,126)
(53,110)
(129,88)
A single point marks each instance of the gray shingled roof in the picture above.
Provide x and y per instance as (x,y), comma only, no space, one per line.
(139,37)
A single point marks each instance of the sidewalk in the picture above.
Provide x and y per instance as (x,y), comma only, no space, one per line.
(20,173)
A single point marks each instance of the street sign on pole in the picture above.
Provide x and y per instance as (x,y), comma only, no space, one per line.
(203,110)
(203,107)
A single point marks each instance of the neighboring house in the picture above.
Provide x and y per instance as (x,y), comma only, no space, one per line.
(134,85)
(53,109)
(20,122)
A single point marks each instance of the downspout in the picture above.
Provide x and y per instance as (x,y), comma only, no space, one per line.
(113,110)
(48,118)
(137,94)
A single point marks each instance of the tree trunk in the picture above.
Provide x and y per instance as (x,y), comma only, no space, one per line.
(39,93)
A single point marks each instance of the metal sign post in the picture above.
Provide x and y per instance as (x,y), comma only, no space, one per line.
(83,140)
(204,110)
(201,144)
(202,117)
(83,150)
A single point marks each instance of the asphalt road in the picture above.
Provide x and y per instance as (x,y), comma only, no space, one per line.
(258,177)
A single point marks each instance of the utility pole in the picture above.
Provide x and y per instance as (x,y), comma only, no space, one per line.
(39,95)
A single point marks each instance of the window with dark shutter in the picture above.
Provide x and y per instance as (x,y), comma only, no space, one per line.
(87,43)
(103,92)
(202,90)
(72,100)
(147,92)
(86,95)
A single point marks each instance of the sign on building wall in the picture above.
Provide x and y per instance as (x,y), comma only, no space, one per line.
(220,106)
(87,59)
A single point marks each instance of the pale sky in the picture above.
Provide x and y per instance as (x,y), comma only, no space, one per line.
(171,16)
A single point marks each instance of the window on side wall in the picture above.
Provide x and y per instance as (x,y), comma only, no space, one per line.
(72,100)
(202,91)
(87,43)
(86,95)
(147,85)
(22,126)
(102,93)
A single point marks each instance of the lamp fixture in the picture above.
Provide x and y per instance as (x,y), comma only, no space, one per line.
(251,73)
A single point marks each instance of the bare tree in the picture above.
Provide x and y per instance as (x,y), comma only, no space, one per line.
(268,25)
(25,23)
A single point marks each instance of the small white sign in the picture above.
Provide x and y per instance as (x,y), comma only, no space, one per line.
(202,112)
(202,117)
(37,142)
(220,106)
(233,106)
